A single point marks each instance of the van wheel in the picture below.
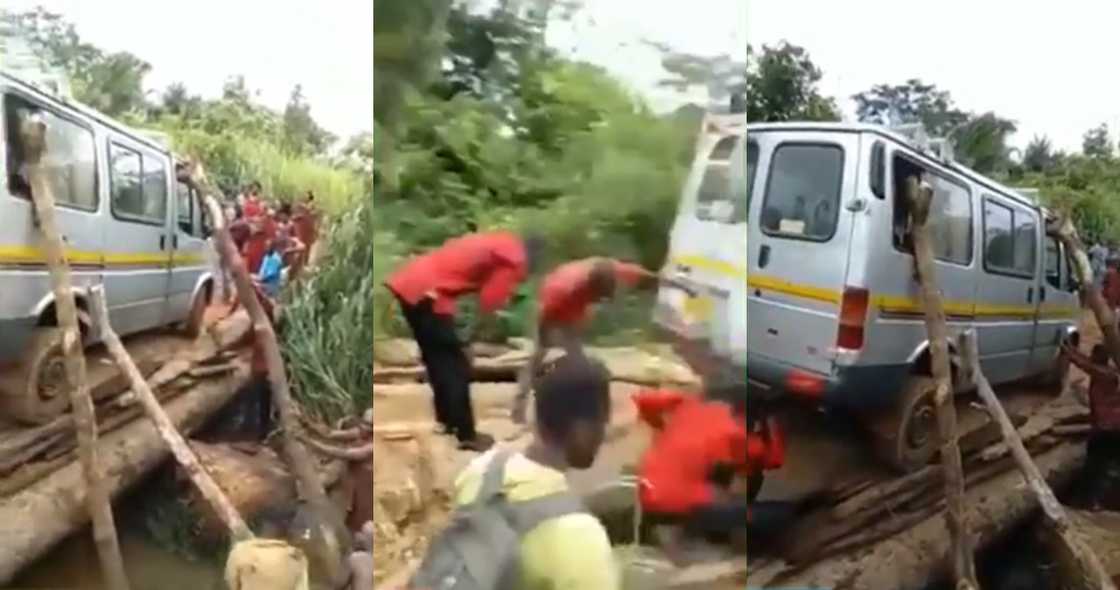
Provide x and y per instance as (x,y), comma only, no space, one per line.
(907,438)
(37,389)
(197,317)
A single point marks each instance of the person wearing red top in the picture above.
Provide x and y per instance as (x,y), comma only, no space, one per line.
(698,447)
(306,221)
(253,207)
(489,264)
(566,297)
(1111,285)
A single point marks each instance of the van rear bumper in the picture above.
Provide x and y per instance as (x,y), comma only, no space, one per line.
(14,333)
(859,388)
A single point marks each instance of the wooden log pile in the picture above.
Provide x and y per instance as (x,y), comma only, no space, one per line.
(27,455)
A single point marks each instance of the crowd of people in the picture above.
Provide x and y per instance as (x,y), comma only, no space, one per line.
(689,475)
(273,238)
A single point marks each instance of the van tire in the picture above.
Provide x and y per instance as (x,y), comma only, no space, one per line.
(36,390)
(196,318)
(906,438)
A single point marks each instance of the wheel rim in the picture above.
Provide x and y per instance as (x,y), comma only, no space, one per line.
(50,380)
(919,431)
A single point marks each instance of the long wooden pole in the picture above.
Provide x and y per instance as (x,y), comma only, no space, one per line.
(1088,562)
(209,490)
(1063,229)
(33,136)
(298,458)
(920,196)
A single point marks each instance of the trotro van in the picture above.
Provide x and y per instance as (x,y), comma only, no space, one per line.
(127,223)
(833,315)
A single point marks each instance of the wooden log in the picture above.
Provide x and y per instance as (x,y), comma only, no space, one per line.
(1065,231)
(34,520)
(359,453)
(238,530)
(1091,570)
(911,558)
(33,137)
(920,197)
(297,456)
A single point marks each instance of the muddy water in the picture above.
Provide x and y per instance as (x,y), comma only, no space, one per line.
(73,565)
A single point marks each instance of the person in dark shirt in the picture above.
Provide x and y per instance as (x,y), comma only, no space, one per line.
(489,264)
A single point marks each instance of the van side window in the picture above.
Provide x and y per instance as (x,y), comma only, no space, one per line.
(138,185)
(1010,238)
(715,186)
(184,209)
(803,191)
(70,163)
(1053,263)
(155,188)
(950,215)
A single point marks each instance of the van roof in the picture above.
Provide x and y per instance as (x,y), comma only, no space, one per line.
(10,80)
(889,135)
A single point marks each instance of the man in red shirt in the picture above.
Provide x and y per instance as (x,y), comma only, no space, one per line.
(565,300)
(698,447)
(490,264)
(253,206)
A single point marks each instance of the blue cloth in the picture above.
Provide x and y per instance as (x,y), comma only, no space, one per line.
(270,273)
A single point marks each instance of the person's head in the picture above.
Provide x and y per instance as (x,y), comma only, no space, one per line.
(573,406)
(602,280)
(310,197)
(285,211)
(1099,355)
(534,251)
(255,188)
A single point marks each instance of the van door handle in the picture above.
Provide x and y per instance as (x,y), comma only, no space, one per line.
(175,242)
(684,269)
(163,242)
(1030,294)
(1042,294)
(763,256)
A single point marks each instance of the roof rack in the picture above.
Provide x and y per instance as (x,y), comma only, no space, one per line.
(919,139)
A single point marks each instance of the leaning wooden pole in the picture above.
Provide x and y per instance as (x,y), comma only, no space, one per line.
(920,197)
(1063,229)
(33,136)
(297,456)
(1093,573)
(209,490)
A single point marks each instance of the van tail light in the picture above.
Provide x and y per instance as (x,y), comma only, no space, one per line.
(853,315)
(805,384)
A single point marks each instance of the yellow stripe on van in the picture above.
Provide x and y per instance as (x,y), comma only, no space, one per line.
(27,255)
(891,304)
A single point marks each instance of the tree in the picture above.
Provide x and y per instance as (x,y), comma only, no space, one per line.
(720,75)
(981,143)
(111,83)
(1039,156)
(1095,143)
(782,86)
(301,133)
(910,102)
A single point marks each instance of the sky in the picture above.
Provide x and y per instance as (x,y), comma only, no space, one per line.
(275,44)
(1041,67)
(610,33)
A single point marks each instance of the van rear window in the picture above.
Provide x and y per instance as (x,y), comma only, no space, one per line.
(803,191)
